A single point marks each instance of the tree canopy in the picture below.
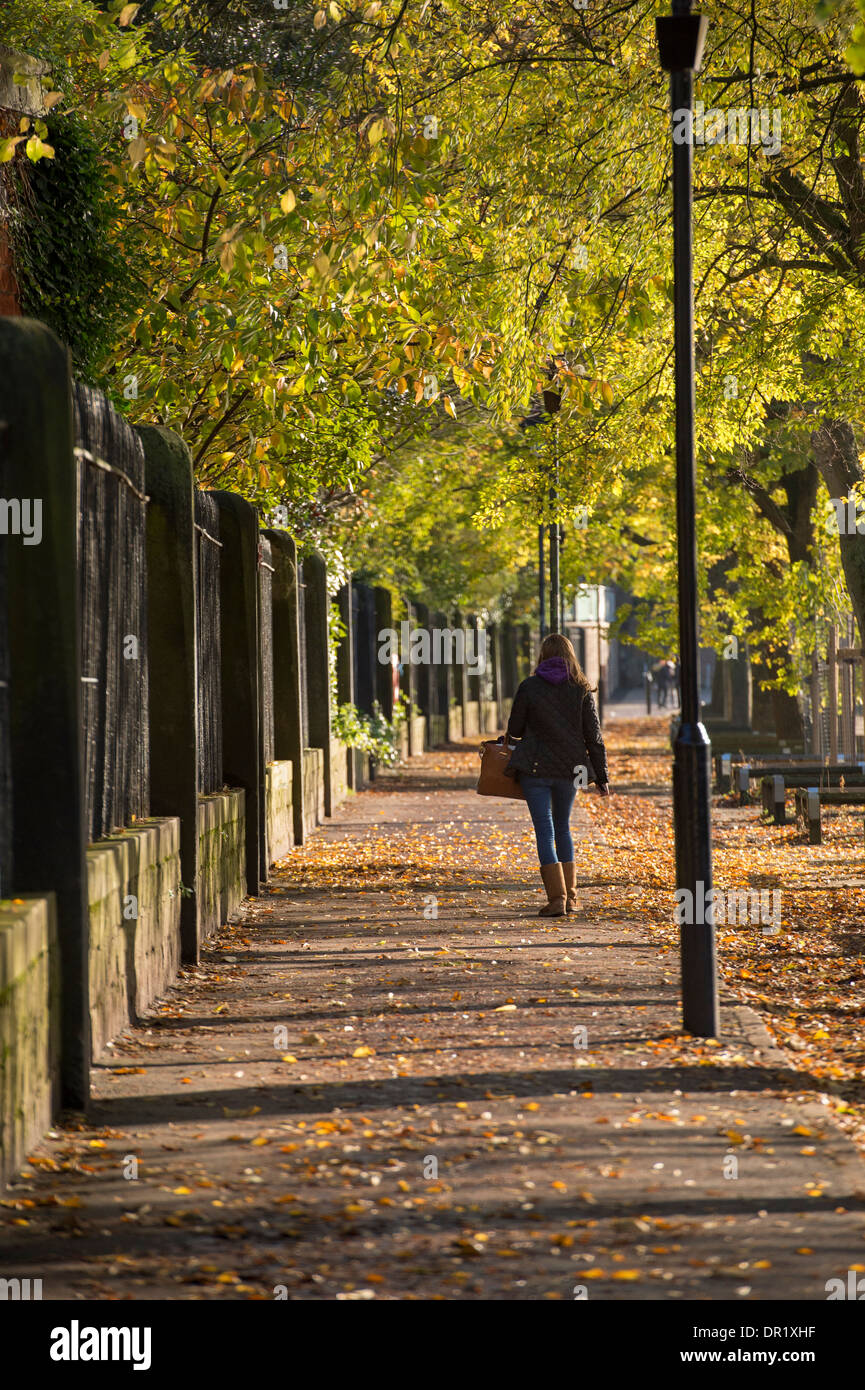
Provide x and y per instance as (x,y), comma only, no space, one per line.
(363,239)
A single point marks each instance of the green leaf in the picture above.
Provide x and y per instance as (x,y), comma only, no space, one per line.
(855,55)
(127,54)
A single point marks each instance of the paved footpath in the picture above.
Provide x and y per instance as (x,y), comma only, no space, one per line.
(370,1089)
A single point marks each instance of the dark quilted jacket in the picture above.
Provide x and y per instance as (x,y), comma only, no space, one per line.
(559,729)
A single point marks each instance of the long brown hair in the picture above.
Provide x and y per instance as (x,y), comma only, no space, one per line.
(556,644)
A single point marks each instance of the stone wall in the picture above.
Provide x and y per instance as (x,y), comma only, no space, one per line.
(471,724)
(438,729)
(278,808)
(221,858)
(339,756)
(313,788)
(418,733)
(489,717)
(29,1027)
(134,893)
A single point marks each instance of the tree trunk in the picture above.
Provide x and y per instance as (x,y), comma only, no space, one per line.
(837,457)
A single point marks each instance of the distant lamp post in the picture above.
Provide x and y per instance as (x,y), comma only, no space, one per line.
(681,36)
(552,401)
(552,405)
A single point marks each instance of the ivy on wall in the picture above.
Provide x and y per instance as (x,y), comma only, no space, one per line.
(71,269)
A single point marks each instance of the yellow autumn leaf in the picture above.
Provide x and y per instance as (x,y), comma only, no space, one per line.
(37,149)
(7,150)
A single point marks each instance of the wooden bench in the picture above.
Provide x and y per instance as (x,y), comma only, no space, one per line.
(814,772)
(726,765)
(773,788)
(810,799)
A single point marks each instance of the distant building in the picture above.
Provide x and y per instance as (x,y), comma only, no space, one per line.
(615,665)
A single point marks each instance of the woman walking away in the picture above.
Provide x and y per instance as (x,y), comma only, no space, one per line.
(554,715)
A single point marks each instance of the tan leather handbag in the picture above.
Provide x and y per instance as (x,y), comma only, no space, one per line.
(494,781)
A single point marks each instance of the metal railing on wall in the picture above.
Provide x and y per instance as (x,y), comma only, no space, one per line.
(208,549)
(363,615)
(5,731)
(113,598)
(265,599)
(304,663)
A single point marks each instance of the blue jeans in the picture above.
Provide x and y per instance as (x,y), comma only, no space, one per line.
(549,800)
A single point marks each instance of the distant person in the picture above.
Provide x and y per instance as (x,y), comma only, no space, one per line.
(555,717)
(662,680)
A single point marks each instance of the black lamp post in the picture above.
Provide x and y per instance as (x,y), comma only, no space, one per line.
(680,43)
(561,586)
(542,603)
(552,401)
(555,577)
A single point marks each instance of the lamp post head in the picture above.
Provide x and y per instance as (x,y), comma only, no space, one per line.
(681,37)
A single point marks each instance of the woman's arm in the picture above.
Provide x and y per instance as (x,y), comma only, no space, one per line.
(594,739)
(519,713)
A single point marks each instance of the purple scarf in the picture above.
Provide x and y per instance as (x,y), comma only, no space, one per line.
(554,670)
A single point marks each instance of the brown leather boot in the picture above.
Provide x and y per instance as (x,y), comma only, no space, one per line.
(570,873)
(554,882)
